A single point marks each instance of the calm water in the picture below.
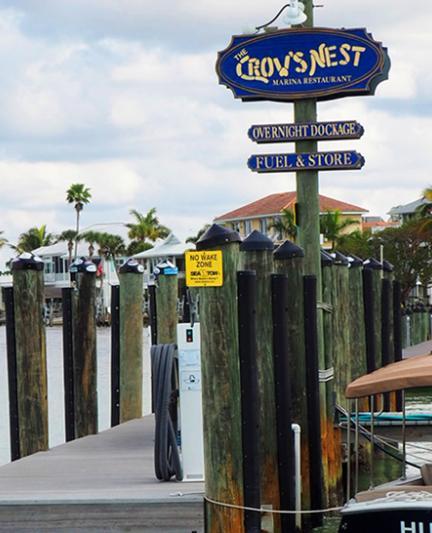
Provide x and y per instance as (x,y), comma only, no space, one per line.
(56,389)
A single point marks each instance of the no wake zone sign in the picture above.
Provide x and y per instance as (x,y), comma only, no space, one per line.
(204,268)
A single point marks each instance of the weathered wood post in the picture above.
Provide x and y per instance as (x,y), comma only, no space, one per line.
(313,395)
(221,388)
(131,339)
(8,298)
(68,372)
(374,268)
(357,349)
(341,325)
(115,355)
(397,333)
(166,303)
(84,348)
(250,399)
(257,255)
(28,283)
(289,260)
(333,436)
(283,401)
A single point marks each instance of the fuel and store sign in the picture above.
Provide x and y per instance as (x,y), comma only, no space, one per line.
(317,131)
(292,64)
(342,160)
(204,268)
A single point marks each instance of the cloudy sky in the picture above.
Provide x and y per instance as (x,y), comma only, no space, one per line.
(122,95)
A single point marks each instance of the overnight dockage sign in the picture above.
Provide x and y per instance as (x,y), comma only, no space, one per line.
(303,63)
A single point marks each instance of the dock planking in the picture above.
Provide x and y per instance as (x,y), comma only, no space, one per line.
(102,482)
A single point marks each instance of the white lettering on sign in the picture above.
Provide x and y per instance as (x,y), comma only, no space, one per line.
(414,527)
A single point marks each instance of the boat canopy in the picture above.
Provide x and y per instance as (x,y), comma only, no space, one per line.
(407,374)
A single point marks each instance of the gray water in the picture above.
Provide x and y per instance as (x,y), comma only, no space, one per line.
(56,387)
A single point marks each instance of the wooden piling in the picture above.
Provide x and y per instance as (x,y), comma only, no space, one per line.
(115,355)
(341,327)
(289,260)
(28,283)
(84,346)
(166,304)
(357,348)
(131,340)
(221,388)
(257,255)
(68,372)
(283,400)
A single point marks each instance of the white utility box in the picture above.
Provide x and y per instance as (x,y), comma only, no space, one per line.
(191,423)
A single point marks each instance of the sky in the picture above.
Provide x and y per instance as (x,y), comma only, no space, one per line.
(122,95)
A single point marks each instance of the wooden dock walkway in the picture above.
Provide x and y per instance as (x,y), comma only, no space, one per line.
(98,483)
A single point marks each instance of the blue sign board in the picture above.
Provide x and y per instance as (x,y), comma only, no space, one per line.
(306,131)
(343,160)
(294,64)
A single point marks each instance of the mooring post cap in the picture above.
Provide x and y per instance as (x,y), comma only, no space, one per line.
(387,266)
(217,235)
(326,258)
(288,250)
(339,258)
(82,265)
(372,264)
(354,261)
(256,241)
(131,266)
(27,261)
(165,268)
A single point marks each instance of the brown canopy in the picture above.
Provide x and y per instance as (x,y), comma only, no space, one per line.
(406,374)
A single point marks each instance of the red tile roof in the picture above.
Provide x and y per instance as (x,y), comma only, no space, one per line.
(274,203)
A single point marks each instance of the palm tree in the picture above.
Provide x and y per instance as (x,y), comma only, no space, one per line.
(196,238)
(3,241)
(71,236)
(34,238)
(331,225)
(285,224)
(79,195)
(91,237)
(146,227)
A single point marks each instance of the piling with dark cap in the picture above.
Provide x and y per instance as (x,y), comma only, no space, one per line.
(31,369)
(357,348)
(84,348)
(131,339)
(289,260)
(166,302)
(220,369)
(256,254)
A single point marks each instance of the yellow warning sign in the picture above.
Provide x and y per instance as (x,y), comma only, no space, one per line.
(204,268)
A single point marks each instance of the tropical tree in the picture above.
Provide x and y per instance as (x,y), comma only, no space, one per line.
(356,243)
(111,246)
(332,225)
(3,240)
(34,238)
(196,238)
(136,247)
(79,195)
(71,236)
(92,238)
(285,225)
(146,227)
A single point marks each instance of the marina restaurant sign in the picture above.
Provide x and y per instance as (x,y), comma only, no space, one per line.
(287,65)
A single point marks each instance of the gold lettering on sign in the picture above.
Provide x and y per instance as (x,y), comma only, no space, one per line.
(295,61)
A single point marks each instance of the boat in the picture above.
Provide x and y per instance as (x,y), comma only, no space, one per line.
(403,505)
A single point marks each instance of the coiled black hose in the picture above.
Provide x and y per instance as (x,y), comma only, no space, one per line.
(165,395)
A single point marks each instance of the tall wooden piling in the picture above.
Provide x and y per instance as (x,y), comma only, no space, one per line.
(257,255)
(8,298)
(220,369)
(28,283)
(341,325)
(68,372)
(250,398)
(357,348)
(283,399)
(115,355)
(84,348)
(313,396)
(376,274)
(166,303)
(289,260)
(131,340)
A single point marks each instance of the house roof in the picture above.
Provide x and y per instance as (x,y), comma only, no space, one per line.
(274,203)
(407,209)
(171,246)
